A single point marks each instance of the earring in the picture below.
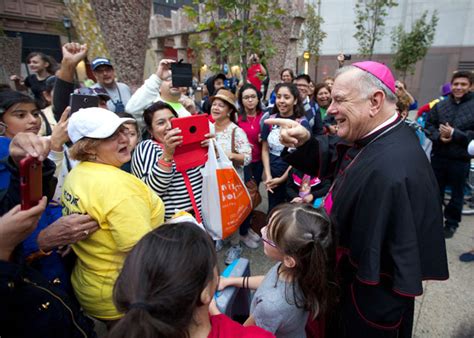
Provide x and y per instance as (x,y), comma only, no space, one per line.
(3,128)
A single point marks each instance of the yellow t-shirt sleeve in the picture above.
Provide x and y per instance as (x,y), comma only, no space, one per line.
(129,221)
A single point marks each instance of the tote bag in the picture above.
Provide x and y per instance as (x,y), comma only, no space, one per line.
(225,200)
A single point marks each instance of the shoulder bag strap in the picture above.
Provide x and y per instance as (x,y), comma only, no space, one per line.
(232,147)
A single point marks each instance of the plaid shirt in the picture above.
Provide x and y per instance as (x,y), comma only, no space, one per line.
(460,116)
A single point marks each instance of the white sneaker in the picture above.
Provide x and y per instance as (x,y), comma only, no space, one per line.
(232,254)
(219,244)
(254,236)
(249,242)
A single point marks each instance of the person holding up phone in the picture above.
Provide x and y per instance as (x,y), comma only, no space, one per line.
(153,161)
(21,116)
(158,87)
(256,72)
(73,53)
(24,288)
(18,113)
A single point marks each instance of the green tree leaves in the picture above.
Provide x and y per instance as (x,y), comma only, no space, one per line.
(312,33)
(370,22)
(410,47)
(236,28)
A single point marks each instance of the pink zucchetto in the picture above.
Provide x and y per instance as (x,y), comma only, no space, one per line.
(379,70)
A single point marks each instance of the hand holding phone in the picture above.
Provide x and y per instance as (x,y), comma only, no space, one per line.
(190,153)
(164,67)
(31,182)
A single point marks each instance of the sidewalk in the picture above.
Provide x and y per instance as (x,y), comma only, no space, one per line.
(446,309)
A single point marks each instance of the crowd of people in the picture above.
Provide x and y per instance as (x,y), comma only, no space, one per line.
(355,205)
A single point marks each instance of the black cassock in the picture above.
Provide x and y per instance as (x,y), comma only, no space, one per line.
(387,214)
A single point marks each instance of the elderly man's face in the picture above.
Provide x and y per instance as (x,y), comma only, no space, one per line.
(349,107)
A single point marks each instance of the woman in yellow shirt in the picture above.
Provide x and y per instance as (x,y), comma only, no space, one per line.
(123,206)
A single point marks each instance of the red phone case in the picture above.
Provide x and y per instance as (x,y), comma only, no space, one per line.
(31,182)
(190,154)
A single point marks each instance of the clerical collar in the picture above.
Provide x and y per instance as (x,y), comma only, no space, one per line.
(377,131)
(386,123)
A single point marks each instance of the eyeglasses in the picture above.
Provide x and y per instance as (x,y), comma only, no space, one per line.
(106,69)
(253,97)
(264,232)
(121,131)
(302,85)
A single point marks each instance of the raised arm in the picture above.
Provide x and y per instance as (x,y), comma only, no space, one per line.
(73,53)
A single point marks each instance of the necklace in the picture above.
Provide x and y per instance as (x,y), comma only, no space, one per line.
(221,127)
(252,121)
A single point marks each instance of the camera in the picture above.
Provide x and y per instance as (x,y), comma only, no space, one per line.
(347,56)
(119,107)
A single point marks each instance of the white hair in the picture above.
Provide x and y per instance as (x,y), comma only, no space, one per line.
(367,83)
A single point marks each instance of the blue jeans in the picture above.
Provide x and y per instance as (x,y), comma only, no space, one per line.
(451,173)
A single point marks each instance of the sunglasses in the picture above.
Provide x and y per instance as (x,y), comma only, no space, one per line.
(264,232)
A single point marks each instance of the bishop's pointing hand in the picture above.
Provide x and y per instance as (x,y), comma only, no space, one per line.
(292,134)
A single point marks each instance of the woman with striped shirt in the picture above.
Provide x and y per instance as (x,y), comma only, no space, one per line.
(153,162)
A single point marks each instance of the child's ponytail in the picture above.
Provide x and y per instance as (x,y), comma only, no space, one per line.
(306,234)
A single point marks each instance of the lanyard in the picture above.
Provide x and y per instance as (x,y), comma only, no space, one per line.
(120,96)
(189,188)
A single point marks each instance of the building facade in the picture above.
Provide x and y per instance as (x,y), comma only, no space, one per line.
(29,26)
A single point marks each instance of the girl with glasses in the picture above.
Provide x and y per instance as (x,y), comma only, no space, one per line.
(301,239)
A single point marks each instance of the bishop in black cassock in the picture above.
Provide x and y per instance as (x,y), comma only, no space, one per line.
(384,204)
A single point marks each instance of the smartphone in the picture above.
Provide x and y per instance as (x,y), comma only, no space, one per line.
(181,74)
(31,182)
(190,154)
(78,101)
(347,56)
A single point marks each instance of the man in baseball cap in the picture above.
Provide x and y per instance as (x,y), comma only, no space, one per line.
(118,92)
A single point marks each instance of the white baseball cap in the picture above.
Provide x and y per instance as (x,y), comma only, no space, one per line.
(94,122)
